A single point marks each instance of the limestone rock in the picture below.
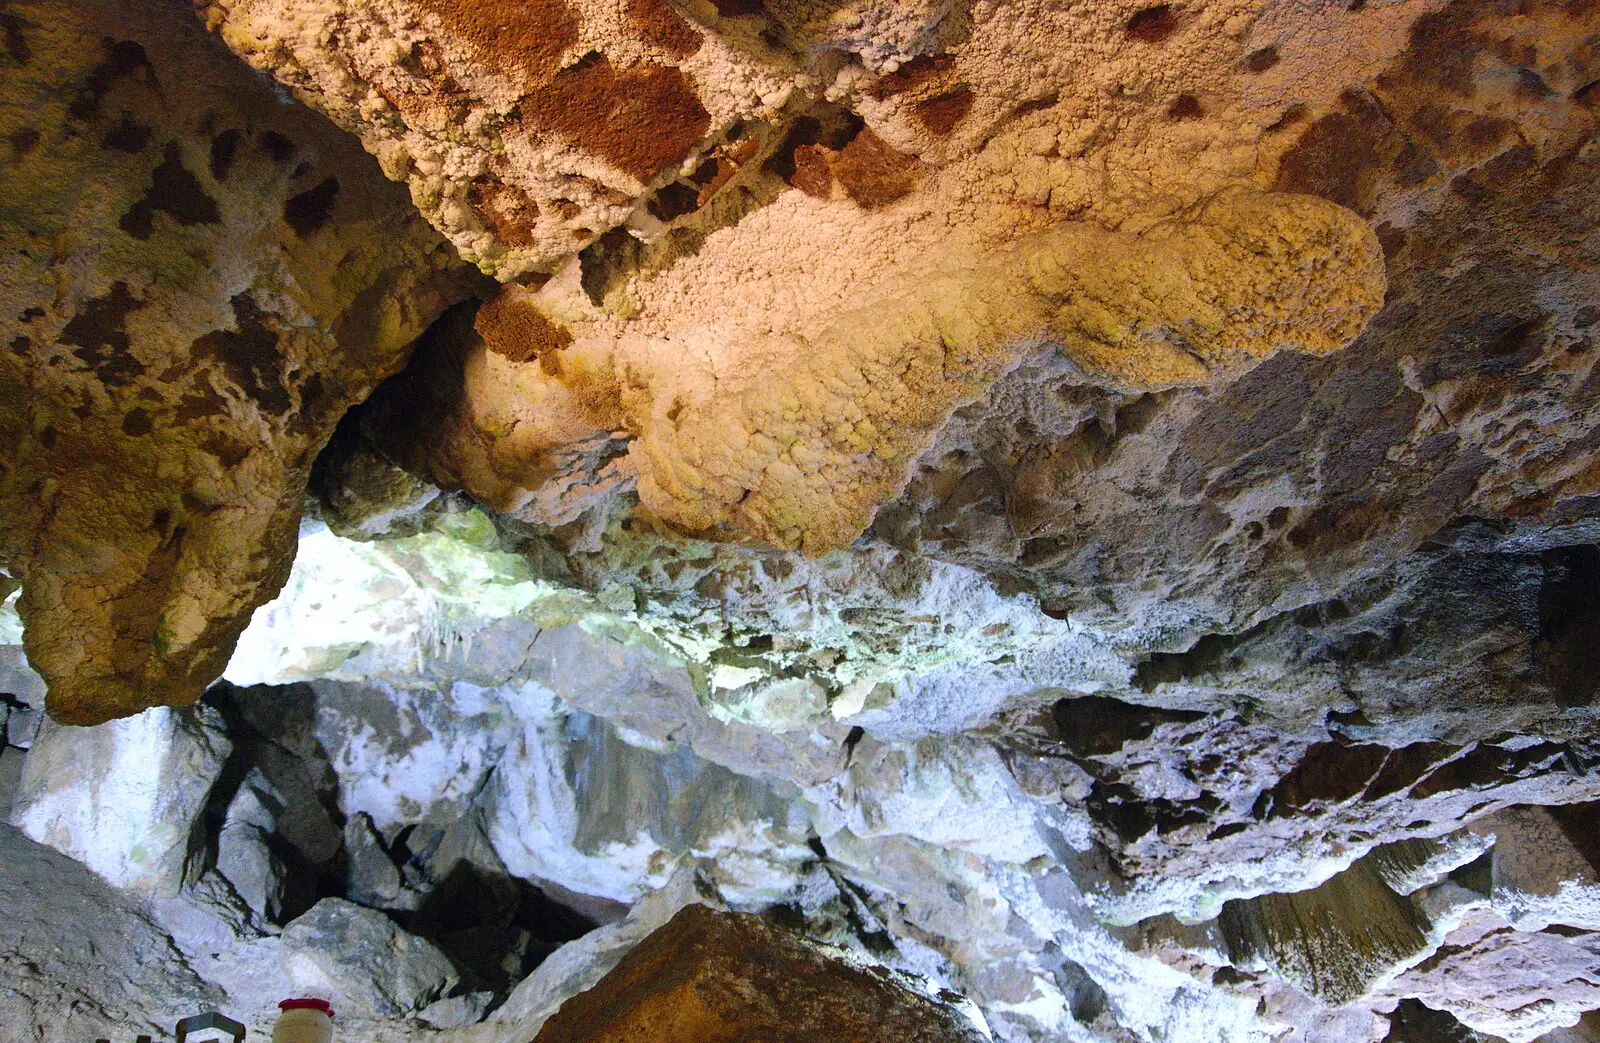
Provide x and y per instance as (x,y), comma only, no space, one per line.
(199,280)
(65,982)
(715,452)
(1335,941)
(580,964)
(24,689)
(726,976)
(125,798)
(22,726)
(1543,869)
(1409,428)
(208,922)
(359,959)
(849,185)
(772,705)
(246,860)
(450,589)
(1089,505)
(527,134)
(574,803)
(360,494)
(1409,865)
(1511,984)
(1517,935)
(427,753)
(10,778)
(457,1011)
(371,877)
(244,846)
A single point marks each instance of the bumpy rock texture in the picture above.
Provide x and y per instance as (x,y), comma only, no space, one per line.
(795,441)
(1091,507)
(199,280)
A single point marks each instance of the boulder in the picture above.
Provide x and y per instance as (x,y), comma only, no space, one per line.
(717,977)
(457,1012)
(126,798)
(371,877)
(245,855)
(362,961)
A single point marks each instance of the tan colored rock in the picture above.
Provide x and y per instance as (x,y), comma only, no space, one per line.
(764,169)
(1471,395)
(527,130)
(714,977)
(198,281)
(1013,120)
(796,440)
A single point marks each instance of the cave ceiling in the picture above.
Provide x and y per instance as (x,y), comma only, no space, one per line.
(1045,464)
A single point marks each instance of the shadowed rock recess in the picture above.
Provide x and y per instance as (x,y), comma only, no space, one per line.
(802,519)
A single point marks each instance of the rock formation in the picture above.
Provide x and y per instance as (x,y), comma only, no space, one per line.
(200,280)
(714,977)
(1089,511)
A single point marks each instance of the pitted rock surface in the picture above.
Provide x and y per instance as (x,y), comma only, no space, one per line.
(199,280)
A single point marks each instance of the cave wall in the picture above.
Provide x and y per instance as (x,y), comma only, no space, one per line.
(1089,507)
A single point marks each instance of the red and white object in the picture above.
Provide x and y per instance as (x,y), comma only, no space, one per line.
(304,1021)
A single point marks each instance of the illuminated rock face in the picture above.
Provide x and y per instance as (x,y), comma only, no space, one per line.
(796,441)
(198,281)
(1089,505)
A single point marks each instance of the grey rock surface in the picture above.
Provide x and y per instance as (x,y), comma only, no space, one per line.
(79,958)
(244,853)
(371,877)
(10,778)
(457,1012)
(361,960)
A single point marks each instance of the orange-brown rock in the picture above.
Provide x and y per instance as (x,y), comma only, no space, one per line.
(712,977)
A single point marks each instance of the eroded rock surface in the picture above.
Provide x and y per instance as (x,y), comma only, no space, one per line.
(1089,507)
(199,280)
(795,441)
